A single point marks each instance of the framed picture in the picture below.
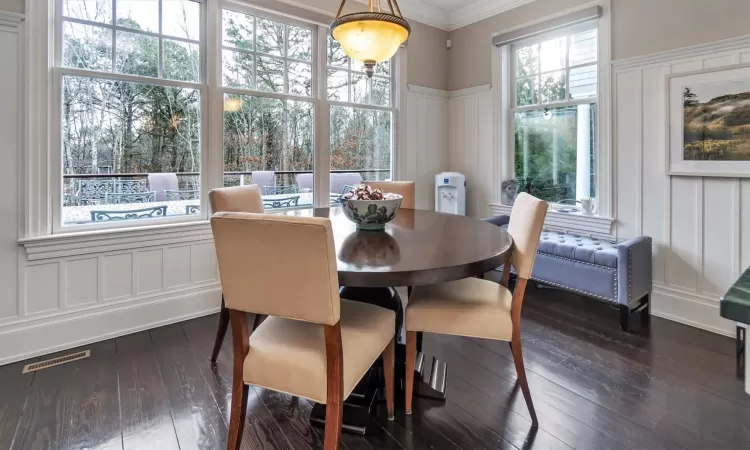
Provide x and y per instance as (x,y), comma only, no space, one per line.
(709,122)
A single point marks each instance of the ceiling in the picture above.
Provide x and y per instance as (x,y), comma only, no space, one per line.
(452,14)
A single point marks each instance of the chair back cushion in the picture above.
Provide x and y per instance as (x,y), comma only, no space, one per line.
(305,182)
(526,223)
(161,182)
(403,188)
(263,177)
(236,199)
(278,265)
(339,180)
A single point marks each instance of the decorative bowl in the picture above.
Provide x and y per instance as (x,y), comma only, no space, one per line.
(371,215)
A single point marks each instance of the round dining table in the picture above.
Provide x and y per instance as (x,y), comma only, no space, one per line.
(418,247)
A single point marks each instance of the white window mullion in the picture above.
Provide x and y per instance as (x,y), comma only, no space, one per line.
(114,36)
(322,152)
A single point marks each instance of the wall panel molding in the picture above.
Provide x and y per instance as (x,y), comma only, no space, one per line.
(25,340)
(697,223)
(426,138)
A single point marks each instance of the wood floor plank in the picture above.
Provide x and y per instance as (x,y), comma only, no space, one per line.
(74,405)
(14,389)
(144,405)
(675,412)
(654,357)
(562,413)
(261,430)
(197,419)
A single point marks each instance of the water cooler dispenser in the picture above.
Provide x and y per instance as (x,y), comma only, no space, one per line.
(450,193)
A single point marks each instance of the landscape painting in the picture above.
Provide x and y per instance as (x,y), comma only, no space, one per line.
(709,122)
(716,121)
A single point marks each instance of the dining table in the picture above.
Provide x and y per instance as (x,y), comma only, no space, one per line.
(418,247)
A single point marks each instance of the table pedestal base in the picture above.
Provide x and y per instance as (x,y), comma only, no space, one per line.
(432,384)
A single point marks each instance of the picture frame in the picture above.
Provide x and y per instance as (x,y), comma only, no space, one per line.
(708,122)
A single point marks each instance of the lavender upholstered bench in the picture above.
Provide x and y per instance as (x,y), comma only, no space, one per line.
(610,271)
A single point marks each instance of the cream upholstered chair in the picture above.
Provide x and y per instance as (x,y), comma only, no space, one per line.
(232,199)
(313,344)
(403,188)
(475,307)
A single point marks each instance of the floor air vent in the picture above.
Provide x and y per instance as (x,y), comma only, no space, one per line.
(56,361)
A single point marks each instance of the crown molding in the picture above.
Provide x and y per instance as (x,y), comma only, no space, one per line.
(10,19)
(737,43)
(422,12)
(481,10)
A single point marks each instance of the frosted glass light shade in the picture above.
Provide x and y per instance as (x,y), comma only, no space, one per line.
(370,38)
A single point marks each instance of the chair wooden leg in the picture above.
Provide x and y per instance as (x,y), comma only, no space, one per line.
(388,355)
(241,346)
(515,345)
(237,414)
(335,386)
(221,331)
(411,356)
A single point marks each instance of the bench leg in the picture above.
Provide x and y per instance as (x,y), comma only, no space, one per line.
(624,317)
(741,349)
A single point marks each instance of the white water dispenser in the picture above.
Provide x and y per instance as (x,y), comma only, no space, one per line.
(450,193)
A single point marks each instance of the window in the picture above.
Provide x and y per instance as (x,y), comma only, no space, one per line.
(361,117)
(129,74)
(269,113)
(155,102)
(554,87)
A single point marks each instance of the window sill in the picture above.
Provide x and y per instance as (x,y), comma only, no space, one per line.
(88,242)
(574,222)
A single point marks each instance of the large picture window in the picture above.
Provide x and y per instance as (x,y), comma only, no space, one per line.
(129,73)
(554,85)
(140,135)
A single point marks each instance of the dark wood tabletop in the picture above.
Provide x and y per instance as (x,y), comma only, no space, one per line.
(418,247)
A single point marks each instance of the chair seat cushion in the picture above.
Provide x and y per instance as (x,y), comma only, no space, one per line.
(469,307)
(290,356)
(579,248)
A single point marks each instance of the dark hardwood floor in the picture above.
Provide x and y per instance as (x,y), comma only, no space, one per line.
(664,386)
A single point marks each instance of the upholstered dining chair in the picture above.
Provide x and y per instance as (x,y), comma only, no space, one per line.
(403,188)
(232,199)
(313,344)
(475,307)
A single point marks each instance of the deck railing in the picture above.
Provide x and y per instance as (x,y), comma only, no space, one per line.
(191,180)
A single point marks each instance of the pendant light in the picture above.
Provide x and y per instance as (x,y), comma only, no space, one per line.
(371,37)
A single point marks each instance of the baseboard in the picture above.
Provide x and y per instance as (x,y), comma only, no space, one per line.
(22,343)
(692,310)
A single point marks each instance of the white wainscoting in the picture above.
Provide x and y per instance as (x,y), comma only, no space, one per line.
(699,225)
(471,146)
(426,141)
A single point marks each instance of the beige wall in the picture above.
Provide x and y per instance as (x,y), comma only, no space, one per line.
(16,6)
(428,58)
(639,27)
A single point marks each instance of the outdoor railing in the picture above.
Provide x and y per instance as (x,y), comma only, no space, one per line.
(191,180)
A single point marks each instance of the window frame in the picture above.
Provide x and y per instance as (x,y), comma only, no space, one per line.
(504,71)
(43,163)
(58,72)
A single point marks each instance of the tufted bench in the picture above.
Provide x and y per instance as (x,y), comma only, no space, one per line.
(618,272)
